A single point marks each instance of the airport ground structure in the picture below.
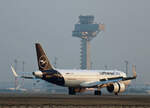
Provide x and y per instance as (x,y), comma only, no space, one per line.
(86,29)
(67,101)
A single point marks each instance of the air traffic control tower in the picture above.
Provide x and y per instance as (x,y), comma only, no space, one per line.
(86,30)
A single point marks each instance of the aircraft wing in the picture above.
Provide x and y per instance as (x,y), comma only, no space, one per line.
(16,75)
(102,82)
(109,80)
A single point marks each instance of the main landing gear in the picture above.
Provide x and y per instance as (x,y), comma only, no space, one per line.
(71,91)
(116,94)
(97,92)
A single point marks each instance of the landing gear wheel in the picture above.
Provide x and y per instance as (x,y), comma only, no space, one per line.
(71,91)
(116,94)
(97,92)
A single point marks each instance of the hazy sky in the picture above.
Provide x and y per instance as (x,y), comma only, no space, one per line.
(50,22)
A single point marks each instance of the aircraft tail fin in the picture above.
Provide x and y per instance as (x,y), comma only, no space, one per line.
(43,62)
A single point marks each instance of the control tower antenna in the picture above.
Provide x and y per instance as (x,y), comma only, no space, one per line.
(86,30)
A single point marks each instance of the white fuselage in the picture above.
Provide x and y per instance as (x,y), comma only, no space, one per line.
(75,77)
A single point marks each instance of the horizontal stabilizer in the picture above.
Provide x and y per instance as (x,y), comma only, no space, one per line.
(16,75)
(27,77)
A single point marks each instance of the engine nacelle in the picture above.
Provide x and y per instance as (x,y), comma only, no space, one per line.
(38,74)
(116,87)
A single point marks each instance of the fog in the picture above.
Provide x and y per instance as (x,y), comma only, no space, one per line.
(51,22)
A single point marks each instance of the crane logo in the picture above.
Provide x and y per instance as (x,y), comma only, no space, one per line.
(43,62)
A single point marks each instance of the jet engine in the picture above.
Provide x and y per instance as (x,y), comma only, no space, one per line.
(38,74)
(116,87)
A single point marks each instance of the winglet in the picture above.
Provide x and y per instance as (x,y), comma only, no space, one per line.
(14,72)
(134,71)
(134,74)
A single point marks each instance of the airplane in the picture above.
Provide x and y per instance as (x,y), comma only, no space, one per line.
(79,80)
